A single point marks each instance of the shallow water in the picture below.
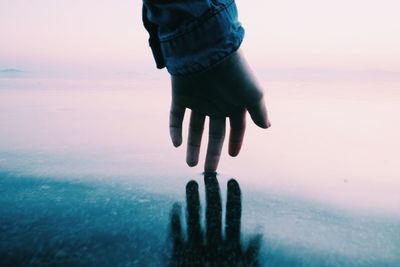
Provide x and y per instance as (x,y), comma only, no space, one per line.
(88,172)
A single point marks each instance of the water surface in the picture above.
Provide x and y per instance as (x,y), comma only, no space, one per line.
(88,172)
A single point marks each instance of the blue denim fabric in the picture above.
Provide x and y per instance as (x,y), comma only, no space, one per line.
(189,36)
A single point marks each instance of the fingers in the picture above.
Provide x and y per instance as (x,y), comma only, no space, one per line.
(233,214)
(213,211)
(196,127)
(215,142)
(176,227)
(238,127)
(258,113)
(193,214)
(175,123)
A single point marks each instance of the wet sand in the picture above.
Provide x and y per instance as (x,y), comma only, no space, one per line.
(45,222)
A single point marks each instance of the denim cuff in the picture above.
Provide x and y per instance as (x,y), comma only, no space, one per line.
(203,43)
(154,42)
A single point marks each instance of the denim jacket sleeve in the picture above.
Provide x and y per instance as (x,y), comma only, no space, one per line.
(189,36)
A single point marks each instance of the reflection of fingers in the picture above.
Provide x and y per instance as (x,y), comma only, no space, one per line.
(213,210)
(252,254)
(193,213)
(258,113)
(176,227)
(196,127)
(238,127)
(233,214)
(175,123)
(215,142)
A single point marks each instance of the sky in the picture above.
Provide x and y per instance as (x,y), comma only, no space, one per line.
(105,35)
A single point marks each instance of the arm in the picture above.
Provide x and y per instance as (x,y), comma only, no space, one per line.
(190,36)
(198,42)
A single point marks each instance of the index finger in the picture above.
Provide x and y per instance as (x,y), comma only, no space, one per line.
(238,127)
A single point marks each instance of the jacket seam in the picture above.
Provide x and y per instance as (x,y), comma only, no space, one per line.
(197,23)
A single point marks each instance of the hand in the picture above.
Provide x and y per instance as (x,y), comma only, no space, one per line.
(211,248)
(228,89)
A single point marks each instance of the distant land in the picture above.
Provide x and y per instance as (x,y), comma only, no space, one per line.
(11,70)
(11,73)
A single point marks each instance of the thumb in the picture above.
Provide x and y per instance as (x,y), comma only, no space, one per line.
(258,113)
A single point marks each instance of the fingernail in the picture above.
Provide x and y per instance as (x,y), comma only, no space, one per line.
(268,124)
(177,142)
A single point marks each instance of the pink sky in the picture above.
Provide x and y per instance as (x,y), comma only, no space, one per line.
(108,35)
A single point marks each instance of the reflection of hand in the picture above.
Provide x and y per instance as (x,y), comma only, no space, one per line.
(211,248)
(228,89)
